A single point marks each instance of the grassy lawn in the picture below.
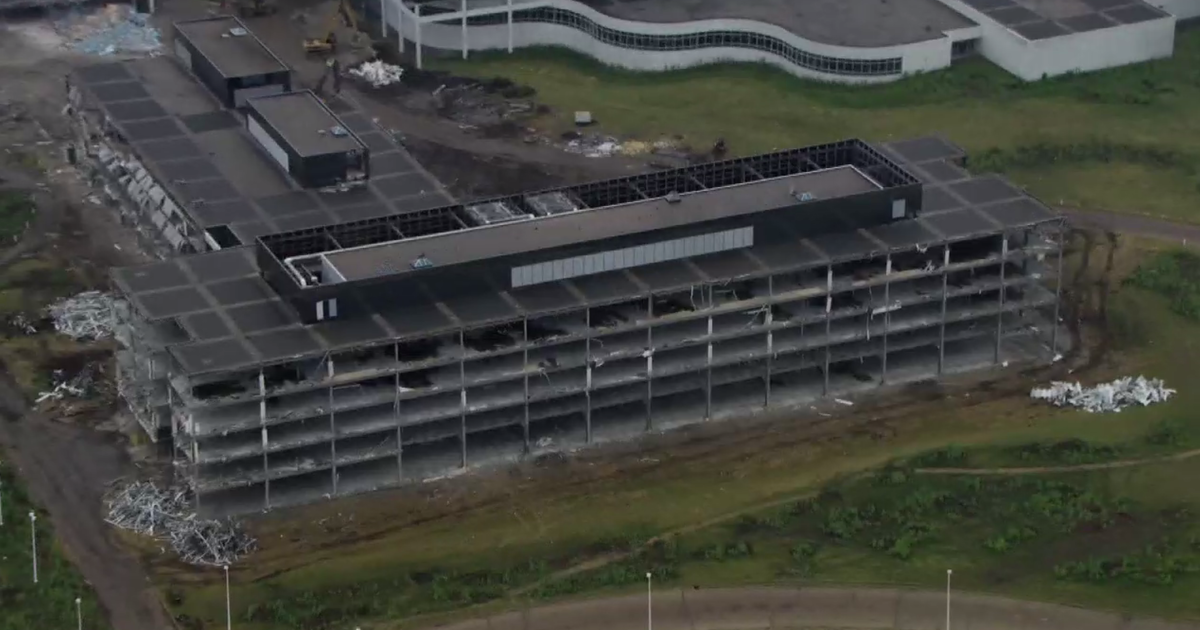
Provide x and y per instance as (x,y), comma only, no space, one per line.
(359,561)
(51,602)
(1138,114)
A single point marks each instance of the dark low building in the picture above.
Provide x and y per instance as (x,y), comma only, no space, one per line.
(339,359)
(307,140)
(230,60)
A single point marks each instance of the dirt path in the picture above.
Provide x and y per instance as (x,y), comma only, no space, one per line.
(1041,470)
(795,608)
(1135,225)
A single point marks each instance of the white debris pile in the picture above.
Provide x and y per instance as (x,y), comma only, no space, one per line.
(1105,397)
(144,508)
(378,73)
(594,146)
(88,315)
(77,386)
(114,29)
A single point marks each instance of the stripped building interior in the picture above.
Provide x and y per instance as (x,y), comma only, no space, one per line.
(332,342)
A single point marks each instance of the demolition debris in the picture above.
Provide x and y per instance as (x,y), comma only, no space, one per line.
(378,73)
(144,508)
(1105,397)
(77,386)
(114,29)
(88,315)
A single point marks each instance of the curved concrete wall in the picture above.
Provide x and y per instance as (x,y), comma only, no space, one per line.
(911,58)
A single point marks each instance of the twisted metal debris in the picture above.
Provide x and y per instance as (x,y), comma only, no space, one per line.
(88,315)
(76,386)
(165,513)
(1105,397)
(378,73)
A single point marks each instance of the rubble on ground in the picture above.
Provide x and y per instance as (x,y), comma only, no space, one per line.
(77,386)
(1105,397)
(377,73)
(144,508)
(88,315)
(114,29)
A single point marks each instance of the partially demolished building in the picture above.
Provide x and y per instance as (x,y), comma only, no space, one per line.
(335,341)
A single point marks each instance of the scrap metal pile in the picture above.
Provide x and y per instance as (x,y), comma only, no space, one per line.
(1105,397)
(76,386)
(144,508)
(88,315)
(114,29)
(377,73)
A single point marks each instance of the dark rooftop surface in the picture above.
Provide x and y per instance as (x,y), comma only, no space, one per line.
(203,156)
(596,224)
(1044,19)
(855,23)
(233,55)
(306,123)
(236,322)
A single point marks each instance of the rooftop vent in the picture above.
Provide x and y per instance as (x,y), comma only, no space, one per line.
(673,197)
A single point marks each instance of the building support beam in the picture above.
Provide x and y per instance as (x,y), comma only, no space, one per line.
(383,18)
(587,358)
(769,320)
(1003,294)
(510,26)
(417,32)
(887,318)
(462,394)
(649,365)
(333,468)
(525,373)
(400,25)
(464,29)
(262,419)
(1062,238)
(828,320)
(942,324)
(708,359)
(396,416)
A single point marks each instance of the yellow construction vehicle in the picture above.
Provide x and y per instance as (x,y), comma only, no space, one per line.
(327,44)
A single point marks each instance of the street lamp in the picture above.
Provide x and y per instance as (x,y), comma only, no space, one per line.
(33,542)
(949,572)
(1,501)
(228,607)
(649,604)
(79,613)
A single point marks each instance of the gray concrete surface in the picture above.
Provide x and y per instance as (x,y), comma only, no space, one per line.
(792,608)
(860,23)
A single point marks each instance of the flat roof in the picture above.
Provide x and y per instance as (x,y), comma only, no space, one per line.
(203,157)
(234,320)
(561,230)
(306,123)
(233,55)
(854,23)
(1046,19)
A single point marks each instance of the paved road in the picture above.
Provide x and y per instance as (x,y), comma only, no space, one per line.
(778,608)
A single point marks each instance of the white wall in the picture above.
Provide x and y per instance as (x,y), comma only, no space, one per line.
(1074,52)
(918,57)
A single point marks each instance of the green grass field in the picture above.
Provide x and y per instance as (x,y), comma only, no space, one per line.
(51,602)
(1141,118)
(410,564)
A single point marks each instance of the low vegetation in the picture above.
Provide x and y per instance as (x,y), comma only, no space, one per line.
(1117,140)
(51,602)
(16,211)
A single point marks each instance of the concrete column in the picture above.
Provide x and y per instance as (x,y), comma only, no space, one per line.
(525,372)
(417,33)
(396,415)
(945,292)
(510,27)
(383,18)
(332,429)
(262,419)
(587,388)
(462,389)
(770,321)
(649,354)
(1062,238)
(464,28)
(828,320)
(400,25)
(708,358)
(1000,315)
(887,316)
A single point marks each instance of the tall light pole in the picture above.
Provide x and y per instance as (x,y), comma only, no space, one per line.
(33,542)
(1,501)
(228,602)
(649,604)
(79,613)
(949,572)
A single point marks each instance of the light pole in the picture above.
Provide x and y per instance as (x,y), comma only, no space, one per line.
(33,542)
(79,613)
(1,501)
(228,606)
(649,604)
(949,572)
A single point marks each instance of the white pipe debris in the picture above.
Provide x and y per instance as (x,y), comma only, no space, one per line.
(378,73)
(1105,397)
(88,315)
(146,509)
